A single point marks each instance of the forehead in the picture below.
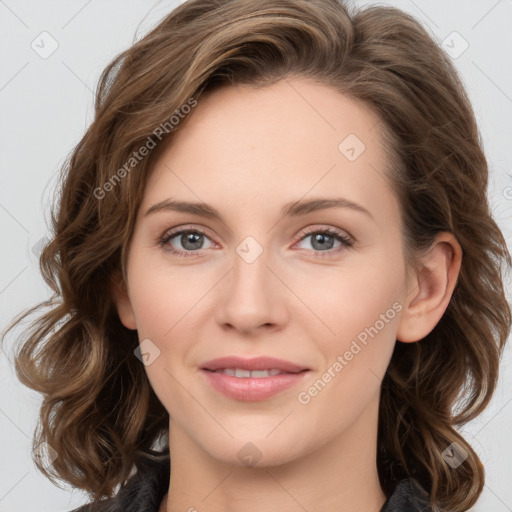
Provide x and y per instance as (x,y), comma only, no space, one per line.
(286,115)
(281,142)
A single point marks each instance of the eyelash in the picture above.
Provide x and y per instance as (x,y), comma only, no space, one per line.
(346,242)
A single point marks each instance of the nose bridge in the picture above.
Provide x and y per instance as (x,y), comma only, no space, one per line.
(250,273)
(250,265)
(252,297)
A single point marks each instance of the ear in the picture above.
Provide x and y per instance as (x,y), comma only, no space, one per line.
(121,299)
(430,288)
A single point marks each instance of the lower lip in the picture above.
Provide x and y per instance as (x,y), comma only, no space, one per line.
(252,389)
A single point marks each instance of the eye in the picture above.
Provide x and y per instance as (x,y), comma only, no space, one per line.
(190,240)
(323,240)
(186,242)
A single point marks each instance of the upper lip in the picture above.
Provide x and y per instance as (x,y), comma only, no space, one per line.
(256,363)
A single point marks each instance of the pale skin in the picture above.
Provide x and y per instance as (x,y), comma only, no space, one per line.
(248,152)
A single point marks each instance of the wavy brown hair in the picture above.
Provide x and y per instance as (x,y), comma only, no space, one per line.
(99,411)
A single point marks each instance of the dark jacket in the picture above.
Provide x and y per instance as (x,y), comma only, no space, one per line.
(144,492)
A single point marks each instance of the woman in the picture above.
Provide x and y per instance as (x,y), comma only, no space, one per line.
(275,271)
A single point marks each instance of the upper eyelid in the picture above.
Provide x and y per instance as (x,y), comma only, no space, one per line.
(171,232)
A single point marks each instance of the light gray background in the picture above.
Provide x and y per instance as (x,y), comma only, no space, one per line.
(46,105)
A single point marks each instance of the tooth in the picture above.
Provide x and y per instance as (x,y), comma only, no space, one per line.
(237,372)
(261,373)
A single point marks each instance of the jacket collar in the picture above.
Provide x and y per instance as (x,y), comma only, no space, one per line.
(145,490)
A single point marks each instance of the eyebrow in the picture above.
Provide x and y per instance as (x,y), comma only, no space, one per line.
(292,209)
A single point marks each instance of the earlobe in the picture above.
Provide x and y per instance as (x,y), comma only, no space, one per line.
(430,289)
(121,299)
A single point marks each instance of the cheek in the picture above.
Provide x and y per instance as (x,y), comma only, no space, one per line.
(354,298)
(357,351)
(361,307)
(163,296)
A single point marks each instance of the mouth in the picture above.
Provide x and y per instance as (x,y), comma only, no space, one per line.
(254,374)
(252,379)
(240,367)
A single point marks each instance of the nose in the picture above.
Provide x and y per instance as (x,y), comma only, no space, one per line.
(253,296)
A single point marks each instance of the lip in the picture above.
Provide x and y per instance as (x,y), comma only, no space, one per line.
(248,388)
(252,389)
(256,363)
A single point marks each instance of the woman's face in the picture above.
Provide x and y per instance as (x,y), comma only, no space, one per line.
(319,286)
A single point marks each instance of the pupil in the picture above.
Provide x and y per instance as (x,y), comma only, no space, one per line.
(319,238)
(190,240)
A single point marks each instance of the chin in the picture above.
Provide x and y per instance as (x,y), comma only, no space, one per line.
(258,452)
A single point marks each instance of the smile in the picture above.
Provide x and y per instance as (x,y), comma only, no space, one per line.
(253,385)
(256,374)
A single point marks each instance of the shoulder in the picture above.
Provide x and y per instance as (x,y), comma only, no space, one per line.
(408,496)
(143,491)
